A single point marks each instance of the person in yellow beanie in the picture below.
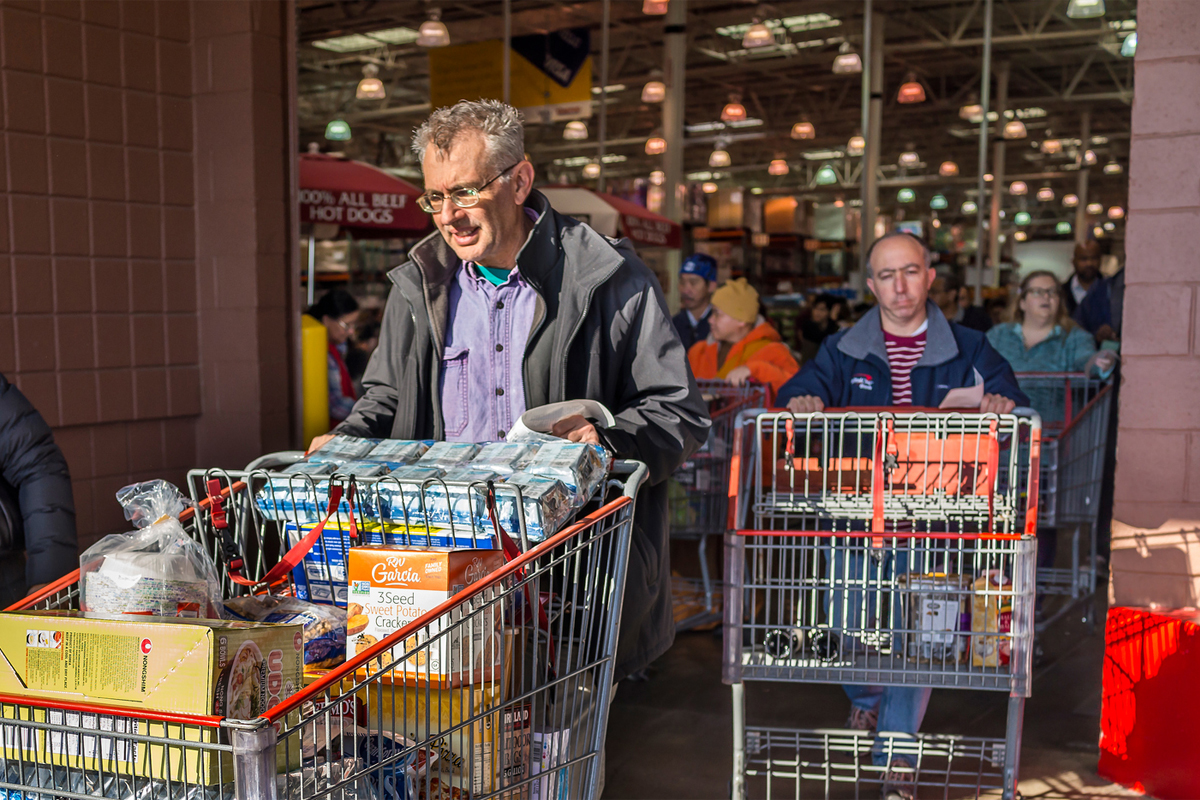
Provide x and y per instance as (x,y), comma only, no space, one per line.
(741,345)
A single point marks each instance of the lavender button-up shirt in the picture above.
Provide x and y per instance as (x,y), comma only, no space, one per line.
(482,385)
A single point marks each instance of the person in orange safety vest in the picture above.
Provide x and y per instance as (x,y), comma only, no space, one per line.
(741,345)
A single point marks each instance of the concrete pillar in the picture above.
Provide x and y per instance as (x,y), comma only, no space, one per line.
(674,76)
(1085,137)
(872,133)
(999,186)
(1155,557)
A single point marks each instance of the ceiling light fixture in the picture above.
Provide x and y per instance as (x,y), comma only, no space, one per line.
(909,158)
(906,195)
(856,146)
(804,130)
(658,177)
(1018,188)
(1062,228)
(733,111)
(575,130)
(338,130)
(433,31)
(1070,200)
(709,187)
(969,207)
(1116,212)
(1112,168)
(1045,194)
(718,158)
(1022,218)
(1020,236)
(1095,209)
(911,91)
(1015,129)
(1129,46)
(988,177)
(654,8)
(757,35)
(847,62)
(370,87)
(654,92)
(655,146)
(826,176)
(972,112)
(1052,147)
(1085,9)
(948,169)
(938,202)
(591,170)
(1089,157)
(1110,226)
(778,167)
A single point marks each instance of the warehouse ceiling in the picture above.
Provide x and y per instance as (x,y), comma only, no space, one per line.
(1059,67)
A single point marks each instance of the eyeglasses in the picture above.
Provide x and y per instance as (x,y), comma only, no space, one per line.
(466,197)
(1037,292)
(346,326)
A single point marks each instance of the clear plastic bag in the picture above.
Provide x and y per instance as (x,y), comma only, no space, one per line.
(158,569)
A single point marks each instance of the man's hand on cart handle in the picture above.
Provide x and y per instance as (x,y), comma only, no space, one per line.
(995,404)
(576,428)
(738,376)
(318,442)
(806,405)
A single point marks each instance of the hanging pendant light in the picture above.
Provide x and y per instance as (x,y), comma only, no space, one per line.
(1022,218)
(655,146)
(370,87)
(1014,129)
(1112,168)
(826,176)
(856,146)
(1052,147)
(972,112)
(948,169)
(1018,188)
(1110,226)
(777,167)
(1062,228)
(1045,194)
(969,207)
(911,91)
(718,158)
(591,170)
(938,202)
(909,158)
(575,130)
(804,130)
(658,177)
(1020,236)
(654,92)
(1089,157)
(433,31)
(847,62)
(733,111)
(1095,209)
(988,177)
(1070,200)
(1116,212)
(1129,46)
(709,187)
(757,35)
(906,195)
(338,130)
(654,8)
(1085,9)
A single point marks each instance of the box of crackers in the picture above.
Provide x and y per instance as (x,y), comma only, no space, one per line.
(391,587)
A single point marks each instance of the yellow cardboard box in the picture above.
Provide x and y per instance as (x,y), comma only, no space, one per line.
(187,666)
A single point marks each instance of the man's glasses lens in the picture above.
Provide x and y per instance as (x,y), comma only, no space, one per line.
(1040,292)
(463,198)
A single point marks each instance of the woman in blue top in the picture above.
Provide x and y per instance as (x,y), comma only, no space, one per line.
(1044,339)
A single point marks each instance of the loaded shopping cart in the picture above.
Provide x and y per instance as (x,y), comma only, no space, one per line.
(699,498)
(1075,409)
(881,548)
(502,690)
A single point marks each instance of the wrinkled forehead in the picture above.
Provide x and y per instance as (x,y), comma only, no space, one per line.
(463,162)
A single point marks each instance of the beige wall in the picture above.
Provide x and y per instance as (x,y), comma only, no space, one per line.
(1156,557)
(144,235)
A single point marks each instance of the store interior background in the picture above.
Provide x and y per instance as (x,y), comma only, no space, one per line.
(151,248)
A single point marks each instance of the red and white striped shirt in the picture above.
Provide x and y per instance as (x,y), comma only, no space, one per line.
(903,354)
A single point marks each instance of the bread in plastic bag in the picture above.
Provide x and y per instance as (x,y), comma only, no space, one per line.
(157,569)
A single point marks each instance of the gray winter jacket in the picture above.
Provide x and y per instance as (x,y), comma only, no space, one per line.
(601,331)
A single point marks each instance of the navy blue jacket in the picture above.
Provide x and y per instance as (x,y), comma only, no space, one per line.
(851,368)
(687,334)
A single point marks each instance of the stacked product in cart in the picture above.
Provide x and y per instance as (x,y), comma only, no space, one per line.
(886,550)
(470,671)
(699,500)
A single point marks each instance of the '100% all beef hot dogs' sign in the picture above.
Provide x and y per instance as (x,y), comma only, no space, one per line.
(351,208)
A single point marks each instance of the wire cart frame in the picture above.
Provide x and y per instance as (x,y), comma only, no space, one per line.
(881,547)
(699,498)
(500,691)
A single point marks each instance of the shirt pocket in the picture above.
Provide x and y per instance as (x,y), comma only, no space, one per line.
(455,410)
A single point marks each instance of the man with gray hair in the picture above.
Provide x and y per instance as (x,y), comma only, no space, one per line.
(510,305)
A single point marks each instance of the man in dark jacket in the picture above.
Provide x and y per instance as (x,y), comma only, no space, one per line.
(511,305)
(902,353)
(37,510)
(697,282)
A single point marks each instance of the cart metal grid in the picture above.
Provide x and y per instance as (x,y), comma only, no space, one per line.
(886,548)
(458,703)
(699,496)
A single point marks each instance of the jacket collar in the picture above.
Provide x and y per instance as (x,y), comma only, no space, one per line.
(866,338)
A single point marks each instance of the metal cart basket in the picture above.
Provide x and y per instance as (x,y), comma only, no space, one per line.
(500,691)
(699,497)
(884,548)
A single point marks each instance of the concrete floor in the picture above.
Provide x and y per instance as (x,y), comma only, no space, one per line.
(670,736)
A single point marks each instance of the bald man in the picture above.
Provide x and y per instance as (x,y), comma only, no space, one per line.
(1087,271)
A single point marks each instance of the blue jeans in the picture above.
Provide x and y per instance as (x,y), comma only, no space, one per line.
(858,580)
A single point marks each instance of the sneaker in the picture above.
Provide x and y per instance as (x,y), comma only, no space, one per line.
(862,719)
(900,782)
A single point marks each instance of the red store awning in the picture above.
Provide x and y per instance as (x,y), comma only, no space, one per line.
(613,216)
(358,196)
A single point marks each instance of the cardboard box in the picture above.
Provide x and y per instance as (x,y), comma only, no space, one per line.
(393,586)
(188,666)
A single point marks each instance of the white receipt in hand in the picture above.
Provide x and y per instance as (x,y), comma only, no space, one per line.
(542,418)
(966,396)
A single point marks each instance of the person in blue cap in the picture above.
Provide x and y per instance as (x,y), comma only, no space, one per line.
(697,282)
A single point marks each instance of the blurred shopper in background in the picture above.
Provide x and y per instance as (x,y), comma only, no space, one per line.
(742,345)
(954,299)
(37,508)
(358,354)
(819,324)
(337,310)
(1087,271)
(697,282)
(903,352)
(1100,313)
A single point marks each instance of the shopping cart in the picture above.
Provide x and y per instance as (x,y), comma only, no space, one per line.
(699,498)
(1071,418)
(500,691)
(880,548)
